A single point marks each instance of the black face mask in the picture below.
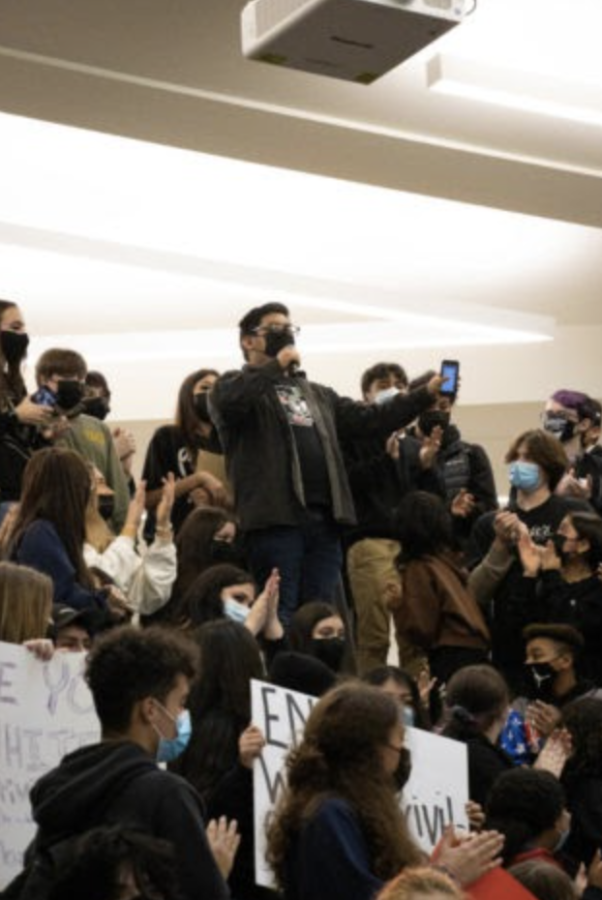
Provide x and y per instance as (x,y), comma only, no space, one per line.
(330,651)
(275,341)
(106,506)
(226,552)
(69,394)
(559,427)
(431,419)
(540,679)
(98,407)
(201,406)
(14,345)
(402,773)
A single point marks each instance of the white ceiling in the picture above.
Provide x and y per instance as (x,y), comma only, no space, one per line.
(440,217)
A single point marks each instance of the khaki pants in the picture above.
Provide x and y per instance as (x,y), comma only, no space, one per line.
(370,565)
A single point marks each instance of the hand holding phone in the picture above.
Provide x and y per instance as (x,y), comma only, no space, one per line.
(450,372)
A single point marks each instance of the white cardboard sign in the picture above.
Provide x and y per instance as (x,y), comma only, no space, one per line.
(46,711)
(434,796)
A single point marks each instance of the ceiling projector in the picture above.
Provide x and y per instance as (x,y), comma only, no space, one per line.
(355,40)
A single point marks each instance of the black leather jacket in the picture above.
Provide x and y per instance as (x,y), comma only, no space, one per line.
(261,455)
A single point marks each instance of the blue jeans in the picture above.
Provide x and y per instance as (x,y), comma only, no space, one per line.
(308,557)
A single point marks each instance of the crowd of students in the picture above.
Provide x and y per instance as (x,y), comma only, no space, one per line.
(281,532)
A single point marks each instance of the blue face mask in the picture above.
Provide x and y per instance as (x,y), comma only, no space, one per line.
(236,611)
(170,748)
(408,715)
(525,476)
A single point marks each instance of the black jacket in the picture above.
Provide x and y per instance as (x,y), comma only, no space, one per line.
(578,603)
(589,465)
(17,444)
(507,613)
(262,459)
(379,482)
(118,782)
(476,476)
(584,802)
(465,465)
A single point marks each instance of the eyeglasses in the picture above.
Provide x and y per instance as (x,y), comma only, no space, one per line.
(275,329)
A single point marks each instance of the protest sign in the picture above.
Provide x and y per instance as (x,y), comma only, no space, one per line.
(281,715)
(46,711)
(437,790)
(434,796)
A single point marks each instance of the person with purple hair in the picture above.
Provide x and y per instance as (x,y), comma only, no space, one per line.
(575,418)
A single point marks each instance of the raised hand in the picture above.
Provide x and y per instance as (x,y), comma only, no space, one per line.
(549,558)
(431,444)
(224,841)
(555,752)
(530,555)
(273,629)
(506,526)
(463,503)
(543,717)
(470,858)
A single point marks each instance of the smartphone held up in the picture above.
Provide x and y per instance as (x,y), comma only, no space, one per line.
(450,372)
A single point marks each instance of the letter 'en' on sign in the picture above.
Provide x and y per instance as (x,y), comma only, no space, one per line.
(434,797)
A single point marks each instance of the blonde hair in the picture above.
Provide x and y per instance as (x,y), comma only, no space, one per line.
(420,884)
(25,603)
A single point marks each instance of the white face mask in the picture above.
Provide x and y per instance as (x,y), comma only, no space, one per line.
(386,394)
(236,611)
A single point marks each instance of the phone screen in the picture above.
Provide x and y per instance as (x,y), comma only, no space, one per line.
(449,372)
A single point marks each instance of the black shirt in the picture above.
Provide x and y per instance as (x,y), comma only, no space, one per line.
(167,452)
(507,612)
(314,473)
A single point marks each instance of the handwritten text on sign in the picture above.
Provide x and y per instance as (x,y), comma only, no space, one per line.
(434,796)
(46,711)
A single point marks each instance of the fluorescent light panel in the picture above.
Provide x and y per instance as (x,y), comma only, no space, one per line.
(525,91)
(150,223)
(222,343)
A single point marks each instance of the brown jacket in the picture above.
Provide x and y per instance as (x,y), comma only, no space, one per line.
(436,608)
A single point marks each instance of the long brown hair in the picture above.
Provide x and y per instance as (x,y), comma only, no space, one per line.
(12,386)
(25,603)
(193,544)
(339,756)
(187,419)
(219,702)
(56,488)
